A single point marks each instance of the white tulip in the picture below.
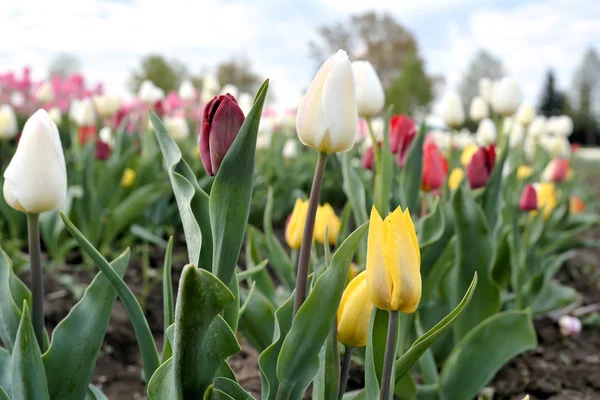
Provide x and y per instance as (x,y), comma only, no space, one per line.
(564,126)
(506,96)
(149,93)
(556,146)
(263,141)
(537,127)
(8,122)
(17,99)
(178,128)
(36,177)
(485,89)
(525,114)
(86,115)
(507,125)
(486,132)
(211,83)
(107,105)
(517,135)
(187,91)
(290,149)
(246,101)
(479,109)
(231,89)
(441,140)
(370,97)
(378,126)
(453,113)
(74,109)
(327,117)
(44,92)
(55,115)
(106,136)
(463,139)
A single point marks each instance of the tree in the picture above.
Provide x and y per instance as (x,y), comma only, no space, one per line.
(412,91)
(552,101)
(238,71)
(165,74)
(64,65)
(378,38)
(585,97)
(483,65)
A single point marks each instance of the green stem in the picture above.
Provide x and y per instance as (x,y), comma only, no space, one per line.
(37,278)
(345,371)
(309,227)
(283,393)
(451,150)
(375,144)
(388,360)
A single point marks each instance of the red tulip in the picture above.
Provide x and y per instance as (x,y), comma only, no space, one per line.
(402,133)
(528,200)
(221,122)
(368,158)
(102,150)
(480,167)
(86,133)
(435,167)
(556,171)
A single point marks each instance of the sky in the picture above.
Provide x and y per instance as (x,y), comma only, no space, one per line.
(111,36)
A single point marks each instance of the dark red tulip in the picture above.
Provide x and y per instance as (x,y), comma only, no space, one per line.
(102,150)
(528,200)
(435,167)
(480,167)
(402,133)
(221,122)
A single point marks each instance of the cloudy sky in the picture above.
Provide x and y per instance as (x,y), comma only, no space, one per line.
(110,36)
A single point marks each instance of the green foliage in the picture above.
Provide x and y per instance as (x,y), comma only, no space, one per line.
(412,91)
(165,74)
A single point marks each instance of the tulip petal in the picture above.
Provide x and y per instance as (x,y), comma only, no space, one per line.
(354,313)
(379,281)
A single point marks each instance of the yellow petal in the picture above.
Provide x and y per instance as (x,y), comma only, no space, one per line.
(354,313)
(379,283)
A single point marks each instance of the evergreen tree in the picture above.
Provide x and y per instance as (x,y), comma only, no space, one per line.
(552,101)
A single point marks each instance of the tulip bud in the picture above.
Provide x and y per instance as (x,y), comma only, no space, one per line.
(55,115)
(150,93)
(36,177)
(327,117)
(537,127)
(517,135)
(525,114)
(107,105)
(480,167)
(8,122)
(106,136)
(563,126)
(576,205)
(102,150)
(528,200)
(506,96)
(177,127)
(294,228)
(44,92)
(354,313)
(326,219)
(486,132)
(393,262)
(467,154)
(290,149)
(556,171)
(187,92)
(435,168)
(453,113)
(479,109)
(485,89)
(463,138)
(546,198)
(86,115)
(402,133)
(569,326)
(524,172)
(221,122)
(352,272)
(128,178)
(455,178)
(370,97)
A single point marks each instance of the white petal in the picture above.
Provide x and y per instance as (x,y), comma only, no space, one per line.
(370,97)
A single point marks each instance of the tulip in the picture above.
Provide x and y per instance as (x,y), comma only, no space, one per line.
(556,171)
(86,115)
(480,167)
(517,135)
(128,178)
(576,205)
(525,114)
(402,133)
(8,122)
(563,126)
(393,262)
(556,146)
(44,92)
(263,141)
(524,172)
(106,136)
(486,132)
(479,109)
(453,113)
(528,200)
(368,157)
(354,313)
(290,149)
(107,105)
(463,138)
(353,272)
(506,96)
(485,89)
(102,150)
(150,93)
(177,127)
(55,115)
(294,228)
(187,92)
(327,116)
(211,83)
(435,168)
(569,326)
(546,198)
(221,122)
(455,178)
(36,177)
(537,127)
(467,154)
(370,97)
(326,219)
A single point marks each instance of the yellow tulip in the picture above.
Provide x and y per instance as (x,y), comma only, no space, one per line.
(393,262)
(326,219)
(546,198)
(352,272)
(524,172)
(295,226)
(467,153)
(354,313)
(128,178)
(455,178)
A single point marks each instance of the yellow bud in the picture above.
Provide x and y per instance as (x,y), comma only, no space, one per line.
(546,198)
(455,178)
(295,225)
(354,313)
(524,172)
(128,178)
(467,153)
(326,219)
(393,262)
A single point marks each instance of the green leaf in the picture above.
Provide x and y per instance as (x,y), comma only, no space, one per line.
(264,282)
(249,272)
(278,257)
(231,313)
(10,315)
(473,255)
(70,360)
(231,193)
(202,338)
(406,388)
(413,169)
(375,351)
(326,383)
(483,351)
(94,393)
(5,375)
(431,227)
(3,395)
(150,360)
(501,263)
(345,222)
(169,319)
(162,384)
(491,195)
(258,321)
(300,351)
(553,296)
(427,364)
(28,376)
(232,388)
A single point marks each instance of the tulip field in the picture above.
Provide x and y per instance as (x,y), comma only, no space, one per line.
(201,245)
